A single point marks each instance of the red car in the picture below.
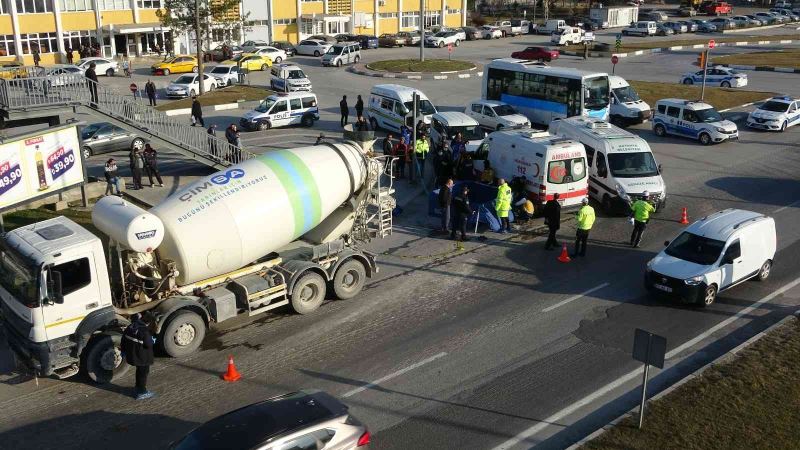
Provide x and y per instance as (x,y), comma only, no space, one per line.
(536,53)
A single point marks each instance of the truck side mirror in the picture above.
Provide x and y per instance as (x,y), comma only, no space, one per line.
(54,291)
(660,169)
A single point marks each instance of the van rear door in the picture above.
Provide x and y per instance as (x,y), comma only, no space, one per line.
(565,173)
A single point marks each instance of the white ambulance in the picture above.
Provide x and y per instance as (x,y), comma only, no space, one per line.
(621,164)
(549,164)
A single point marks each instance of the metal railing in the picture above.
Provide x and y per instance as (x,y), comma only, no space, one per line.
(31,92)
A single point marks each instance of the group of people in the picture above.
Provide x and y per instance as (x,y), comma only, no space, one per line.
(140,162)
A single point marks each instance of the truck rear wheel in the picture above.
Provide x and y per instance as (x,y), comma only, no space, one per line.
(349,279)
(103,359)
(183,334)
(308,293)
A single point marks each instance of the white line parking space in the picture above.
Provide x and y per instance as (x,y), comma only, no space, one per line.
(393,375)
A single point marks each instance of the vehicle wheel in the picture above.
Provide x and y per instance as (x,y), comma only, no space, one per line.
(264,126)
(307,121)
(183,334)
(212,87)
(230,82)
(278,60)
(499,127)
(624,33)
(357,59)
(659,130)
(487,37)
(688,81)
(87,152)
(349,279)
(766,269)
(194,69)
(725,84)
(137,144)
(373,123)
(705,138)
(110,72)
(606,204)
(339,63)
(103,360)
(457,43)
(709,295)
(192,93)
(308,293)
(617,120)
(316,53)
(165,72)
(784,125)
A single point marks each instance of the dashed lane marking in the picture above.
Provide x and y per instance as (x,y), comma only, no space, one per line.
(393,375)
(575,297)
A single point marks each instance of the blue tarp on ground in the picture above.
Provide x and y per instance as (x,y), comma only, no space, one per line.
(481,198)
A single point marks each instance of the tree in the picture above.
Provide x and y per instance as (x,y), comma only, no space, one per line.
(199,18)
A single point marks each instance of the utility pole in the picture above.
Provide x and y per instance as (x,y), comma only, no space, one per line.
(421,30)
(199,43)
(704,68)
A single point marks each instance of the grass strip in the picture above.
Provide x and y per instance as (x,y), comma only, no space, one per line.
(719,98)
(414,65)
(783,58)
(230,94)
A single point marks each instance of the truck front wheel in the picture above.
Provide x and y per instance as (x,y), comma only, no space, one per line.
(308,293)
(183,334)
(103,359)
(349,279)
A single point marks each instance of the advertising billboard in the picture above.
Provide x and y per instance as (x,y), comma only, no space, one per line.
(38,165)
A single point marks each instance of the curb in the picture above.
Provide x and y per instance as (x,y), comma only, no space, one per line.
(676,48)
(730,354)
(361,69)
(743,105)
(187,111)
(761,68)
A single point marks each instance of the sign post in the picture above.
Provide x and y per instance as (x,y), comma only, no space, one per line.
(618,44)
(711,45)
(650,349)
(614,61)
(449,51)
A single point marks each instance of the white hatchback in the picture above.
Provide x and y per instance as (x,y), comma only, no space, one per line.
(275,54)
(226,74)
(103,66)
(312,47)
(495,115)
(189,85)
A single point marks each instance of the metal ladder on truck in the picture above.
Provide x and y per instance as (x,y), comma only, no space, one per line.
(374,213)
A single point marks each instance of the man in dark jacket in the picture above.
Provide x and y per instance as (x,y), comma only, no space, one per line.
(150,90)
(197,113)
(92,75)
(137,346)
(443,163)
(388,144)
(359,107)
(151,165)
(344,109)
(461,213)
(445,200)
(552,218)
(212,141)
(137,165)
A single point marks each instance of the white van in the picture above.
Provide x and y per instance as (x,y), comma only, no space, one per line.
(549,164)
(282,109)
(448,124)
(641,28)
(626,106)
(391,105)
(550,26)
(288,78)
(713,254)
(696,120)
(342,53)
(621,164)
(566,36)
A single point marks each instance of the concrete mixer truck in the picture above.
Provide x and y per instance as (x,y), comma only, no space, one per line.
(280,229)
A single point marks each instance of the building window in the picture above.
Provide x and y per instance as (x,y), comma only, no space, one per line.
(77,39)
(149,4)
(433,18)
(224,35)
(389,15)
(453,11)
(285,21)
(75,5)
(4,7)
(7,45)
(44,42)
(113,4)
(34,6)
(257,23)
(410,20)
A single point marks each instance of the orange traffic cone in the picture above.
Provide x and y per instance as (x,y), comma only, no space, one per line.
(684,217)
(232,374)
(564,256)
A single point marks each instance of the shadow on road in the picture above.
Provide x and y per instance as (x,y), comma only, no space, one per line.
(770,191)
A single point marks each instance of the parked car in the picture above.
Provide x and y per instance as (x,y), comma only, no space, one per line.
(250,46)
(691,27)
(442,38)
(768,18)
(744,21)
(472,33)
(677,27)
(189,85)
(104,137)
(686,11)
(761,20)
(287,47)
(723,23)
(103,66)
(495,115)
(718,75)
(536,53)
(65,75)
(391,40)
(786,14)
(177,64)
(216,53)
(312,47)
(275,55)
(777,113)
(226,74)
(411,37)
(251,62)
(663,30)
(367,42)
(704,26)
(304,420)
(324,38)
(345,37)
(490,32)
(779,17)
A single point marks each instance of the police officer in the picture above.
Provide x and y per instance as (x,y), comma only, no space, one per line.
(641,210)
(502,205)
(585,222)
(137,346)
(421,148)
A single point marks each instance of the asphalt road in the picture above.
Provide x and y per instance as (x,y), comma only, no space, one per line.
(492,345)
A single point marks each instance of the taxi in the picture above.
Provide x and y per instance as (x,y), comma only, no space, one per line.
(777,113)
(177,64)
(251,61)
(11,69)
(716,76)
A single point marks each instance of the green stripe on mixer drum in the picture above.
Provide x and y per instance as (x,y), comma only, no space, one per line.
(300,185)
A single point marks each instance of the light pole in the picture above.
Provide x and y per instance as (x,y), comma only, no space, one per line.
(199,43)
(422,30)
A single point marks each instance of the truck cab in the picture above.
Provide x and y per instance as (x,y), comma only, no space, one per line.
(626,106)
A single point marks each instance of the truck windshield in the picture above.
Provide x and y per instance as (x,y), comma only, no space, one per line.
(18,278)
(709,115)
(566,170)
(596,92)
(697,249)
(425,107)
(632,165)
(626,94)
(265,105)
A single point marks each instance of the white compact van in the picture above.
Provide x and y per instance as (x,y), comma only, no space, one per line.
(342,53)
(695,120)
(713,254)
(626,106)
(551,25)
(288,78)
(641,28)
(391,105)
(566,36)
(621,164)
(549,164)
(448,124)
(282,109)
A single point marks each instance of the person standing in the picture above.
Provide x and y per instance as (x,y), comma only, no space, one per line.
(502,205)
(359,107)
(37,58)
(92,76)
(68,51)
(212,140)
(197,113)
(641,210)
(585,222)
(388,144)
(442,164)
(137,164)
(126,67)
(112,177)
(137,346)
(345,110)
(461,212)
(445,200)
(552,218)
(457,146)
(400,151)
(151,165)
(150,90)
(421,148)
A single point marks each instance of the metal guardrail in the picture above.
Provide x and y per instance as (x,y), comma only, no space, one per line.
(31,92)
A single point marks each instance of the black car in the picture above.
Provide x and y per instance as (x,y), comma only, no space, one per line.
(104,137)
(285,46)
(367,42)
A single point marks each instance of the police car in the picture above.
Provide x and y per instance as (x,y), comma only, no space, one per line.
(777,113)
(695,120)
(720,76)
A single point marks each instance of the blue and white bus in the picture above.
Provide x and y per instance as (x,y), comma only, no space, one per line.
(543,93)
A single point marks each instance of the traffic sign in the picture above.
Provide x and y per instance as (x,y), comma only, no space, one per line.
(450,48)
(619,37)
(711,43)
(134,88)
(614,59)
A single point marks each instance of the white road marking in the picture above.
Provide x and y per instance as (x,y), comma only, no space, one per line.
(393,375)
(530,432)
(786,207)
(575,297)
